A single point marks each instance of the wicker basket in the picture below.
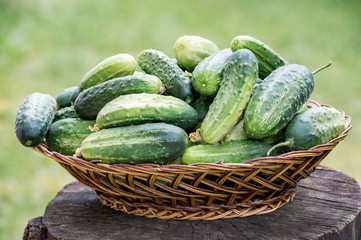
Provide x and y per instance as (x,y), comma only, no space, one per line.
(202,191)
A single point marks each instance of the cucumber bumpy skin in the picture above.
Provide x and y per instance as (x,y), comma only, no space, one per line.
(176,82)
(277,100)
(67,112)
(146,108)
(312,127)
(115,66)
(34,117)
(66,135)
(191,50)
(239,77)
(208,73)
(146,143)
(234,151)
(64,98)
(92,100)
(268,59)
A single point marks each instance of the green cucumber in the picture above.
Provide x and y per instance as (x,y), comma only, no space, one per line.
(92,100)
(115,66)
(74,96)
(151,142)
(33,118)
(312,127)
(191,50)
(277,100)
(146,108)
(67,112)
(64,98)
(236,133)
(238,79)
(66,135)
(235,151)
(208,73)
(176,82)
(268,59)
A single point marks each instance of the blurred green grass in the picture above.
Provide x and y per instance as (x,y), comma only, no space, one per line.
(47,46)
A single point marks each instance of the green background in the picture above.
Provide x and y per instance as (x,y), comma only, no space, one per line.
(49,45)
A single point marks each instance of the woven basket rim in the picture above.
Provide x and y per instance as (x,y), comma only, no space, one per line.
(198,167)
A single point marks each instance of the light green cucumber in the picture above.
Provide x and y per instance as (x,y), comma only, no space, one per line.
(238,79)
(191,50)
(115,66)
(145,108)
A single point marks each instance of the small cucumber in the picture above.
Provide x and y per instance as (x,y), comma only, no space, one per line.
(277,100)
(238,79)
(145,108)
(234,151)
(146,143)
(312,127)
(64,98)
(92,100)
(33,119)
(67,112)
(176,82)
(115,66)
(191,50)
(268,59)
(208,73)
(201,105)
(66,135)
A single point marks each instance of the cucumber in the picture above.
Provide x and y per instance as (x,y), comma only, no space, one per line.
(201,105)
(236,133)
(268,59)
(312,127)
(176,82)
(151,142)
(235,151)
(145,108)
(92,100)
(208,73)
(74,96)
(67,112)
(64,98)
(191,50)
(33,118)
(238,80)
(66,135)
(277,100)
(115,66)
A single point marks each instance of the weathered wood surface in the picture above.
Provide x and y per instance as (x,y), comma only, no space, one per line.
(327,205)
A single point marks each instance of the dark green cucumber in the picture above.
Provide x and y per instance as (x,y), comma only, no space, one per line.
(201,105)
(92,100)
(191,50)
(235,151)
(146,108)
(151,142)
(34,117)
(64,98)
(238,80)
(208,73)
(67,112)
(268,59)
(176,82)
(115,66)
(66,135)
(74,96)
(312,127)
(277,100)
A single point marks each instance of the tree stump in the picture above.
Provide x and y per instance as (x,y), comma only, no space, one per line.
(327,205)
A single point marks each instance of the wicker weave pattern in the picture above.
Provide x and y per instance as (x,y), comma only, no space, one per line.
(204,191)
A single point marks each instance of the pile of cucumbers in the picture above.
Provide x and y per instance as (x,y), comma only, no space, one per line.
(205,105)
